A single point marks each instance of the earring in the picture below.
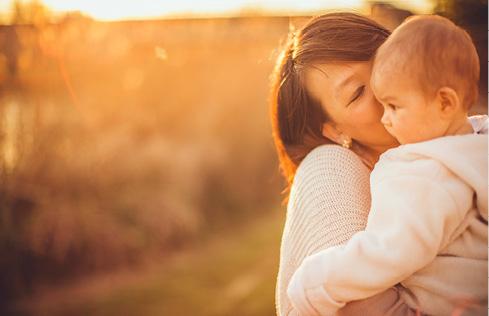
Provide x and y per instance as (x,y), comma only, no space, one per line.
(346,143)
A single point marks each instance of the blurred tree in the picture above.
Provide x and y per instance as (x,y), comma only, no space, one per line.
(463,12)
(29,12)
(10,47)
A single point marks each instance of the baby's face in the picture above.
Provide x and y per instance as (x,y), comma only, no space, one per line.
(409,115)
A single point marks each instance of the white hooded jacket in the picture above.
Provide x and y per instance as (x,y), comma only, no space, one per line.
(427,228)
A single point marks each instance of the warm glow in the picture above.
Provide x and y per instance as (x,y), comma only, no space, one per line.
(142,9)
(418,6)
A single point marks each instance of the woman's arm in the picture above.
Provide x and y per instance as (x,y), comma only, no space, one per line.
(328,204)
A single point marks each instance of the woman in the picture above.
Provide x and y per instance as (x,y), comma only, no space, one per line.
(328,135)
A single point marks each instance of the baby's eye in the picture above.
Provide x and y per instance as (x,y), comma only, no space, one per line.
(392,106)
(358,93)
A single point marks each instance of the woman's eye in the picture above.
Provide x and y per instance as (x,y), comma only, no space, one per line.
(358,93)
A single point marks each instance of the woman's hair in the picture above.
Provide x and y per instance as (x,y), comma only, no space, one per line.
(297,119)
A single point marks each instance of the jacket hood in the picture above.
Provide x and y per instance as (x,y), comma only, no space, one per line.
(464,155)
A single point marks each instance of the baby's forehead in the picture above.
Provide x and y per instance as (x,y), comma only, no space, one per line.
(386,68)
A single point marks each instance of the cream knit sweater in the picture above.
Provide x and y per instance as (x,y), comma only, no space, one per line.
(329,202)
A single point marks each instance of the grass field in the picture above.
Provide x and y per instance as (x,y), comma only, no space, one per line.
(231,272)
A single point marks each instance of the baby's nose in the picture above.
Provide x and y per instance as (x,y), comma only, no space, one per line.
(385,119)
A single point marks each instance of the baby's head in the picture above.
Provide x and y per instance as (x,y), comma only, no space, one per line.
(426,76)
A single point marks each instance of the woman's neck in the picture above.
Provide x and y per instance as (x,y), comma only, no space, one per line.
(370,155)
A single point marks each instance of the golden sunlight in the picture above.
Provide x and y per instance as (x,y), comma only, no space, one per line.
(149,9)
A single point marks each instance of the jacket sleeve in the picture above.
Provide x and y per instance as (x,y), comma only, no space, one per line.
(410,219)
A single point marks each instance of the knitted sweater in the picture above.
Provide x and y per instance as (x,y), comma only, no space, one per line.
(328,203)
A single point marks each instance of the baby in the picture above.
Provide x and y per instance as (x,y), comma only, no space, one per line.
(427,227)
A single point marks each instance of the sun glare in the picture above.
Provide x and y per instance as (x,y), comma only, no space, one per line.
(147,9)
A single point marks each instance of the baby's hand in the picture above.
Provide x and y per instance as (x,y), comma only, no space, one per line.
(306,291)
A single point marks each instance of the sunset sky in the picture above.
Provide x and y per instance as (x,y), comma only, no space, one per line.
(137,9)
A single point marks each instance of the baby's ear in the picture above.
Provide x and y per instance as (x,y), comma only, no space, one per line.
(448,100)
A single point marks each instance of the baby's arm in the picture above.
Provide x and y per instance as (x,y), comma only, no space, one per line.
(409,222)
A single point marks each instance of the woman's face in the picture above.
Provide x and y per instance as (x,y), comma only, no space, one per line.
(343,89)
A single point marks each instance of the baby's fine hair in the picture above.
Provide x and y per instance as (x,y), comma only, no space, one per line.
(437,53)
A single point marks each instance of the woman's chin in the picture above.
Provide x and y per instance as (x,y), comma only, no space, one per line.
(393,142)
(389,141)
(385,144)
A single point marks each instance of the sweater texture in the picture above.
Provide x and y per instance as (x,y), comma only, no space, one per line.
(328,203)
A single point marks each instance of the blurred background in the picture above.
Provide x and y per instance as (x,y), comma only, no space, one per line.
(137,169)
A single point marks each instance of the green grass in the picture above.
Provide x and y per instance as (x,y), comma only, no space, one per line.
(231,272)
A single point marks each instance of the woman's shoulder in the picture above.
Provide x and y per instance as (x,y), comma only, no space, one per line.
(332,159)
(330,170)
(330,189)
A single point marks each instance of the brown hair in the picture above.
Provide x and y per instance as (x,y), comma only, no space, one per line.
(297,119)
(437,53)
